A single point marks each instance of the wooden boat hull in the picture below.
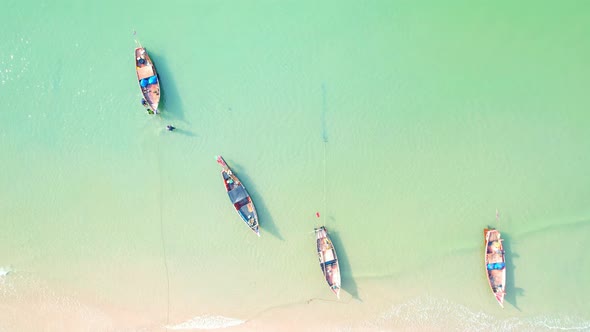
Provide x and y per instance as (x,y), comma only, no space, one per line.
(239,197)
(495,264)
(328,260)
(147,77)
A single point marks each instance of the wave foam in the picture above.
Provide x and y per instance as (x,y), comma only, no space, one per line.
(206,322)
(4,271)
(427,312)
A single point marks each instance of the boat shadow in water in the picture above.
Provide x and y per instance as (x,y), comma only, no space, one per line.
(348,283)
(171,102)
(512,292)
(267,224)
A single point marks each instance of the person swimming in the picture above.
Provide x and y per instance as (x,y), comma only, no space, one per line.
(170,127)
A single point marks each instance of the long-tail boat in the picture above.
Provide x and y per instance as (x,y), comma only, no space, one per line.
(148,80)
(328,259)
(239,197)
(495,263)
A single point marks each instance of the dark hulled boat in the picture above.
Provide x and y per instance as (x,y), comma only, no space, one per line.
(239,197)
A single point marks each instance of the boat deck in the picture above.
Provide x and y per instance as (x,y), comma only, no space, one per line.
(332,272)
(146,69)
(328,259)
(247,210)
(494,255)
(240,198)
(496,278)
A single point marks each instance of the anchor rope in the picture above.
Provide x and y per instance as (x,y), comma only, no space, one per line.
(325,139)
(162,238)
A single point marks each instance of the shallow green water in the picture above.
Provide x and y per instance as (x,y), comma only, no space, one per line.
(427,118)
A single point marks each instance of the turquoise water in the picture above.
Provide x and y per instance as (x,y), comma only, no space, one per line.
(405,125)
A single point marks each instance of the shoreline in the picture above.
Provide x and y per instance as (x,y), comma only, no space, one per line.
(32,305)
